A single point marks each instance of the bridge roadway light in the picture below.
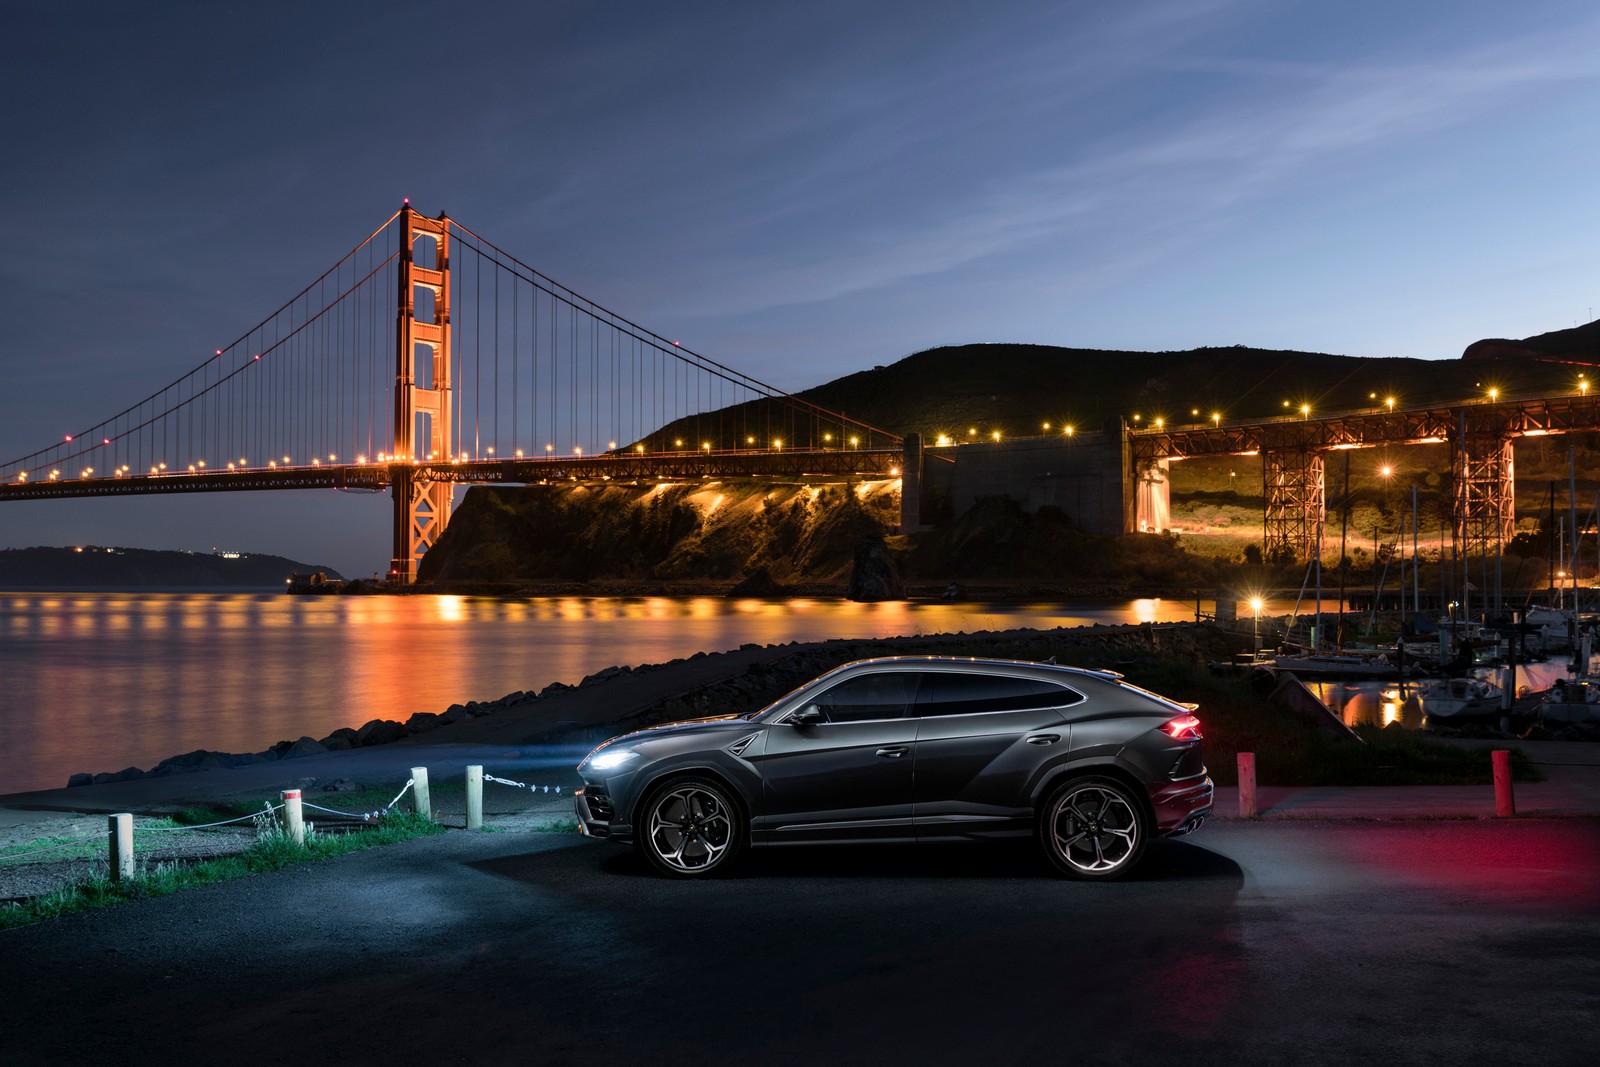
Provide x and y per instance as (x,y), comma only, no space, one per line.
(1305,410)
(1583,385)
(1494,394)
(1160,423)
(1070,430)
(1388,402)
(854,441)
(1216,418)
(639,449)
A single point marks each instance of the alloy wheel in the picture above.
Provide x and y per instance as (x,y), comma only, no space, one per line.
(690,829)
(1093,829)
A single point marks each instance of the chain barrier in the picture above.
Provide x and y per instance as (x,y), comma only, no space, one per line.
(208,825)
(269,808)
(373,816)
(522,785)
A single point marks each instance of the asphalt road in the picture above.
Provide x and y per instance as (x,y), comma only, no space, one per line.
(1270,943)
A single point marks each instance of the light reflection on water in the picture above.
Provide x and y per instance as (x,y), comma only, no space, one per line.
(101,681)
(1381,703)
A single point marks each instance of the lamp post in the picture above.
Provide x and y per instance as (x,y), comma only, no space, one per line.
(1255,606)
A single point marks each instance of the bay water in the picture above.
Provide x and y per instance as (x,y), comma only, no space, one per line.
(99,681)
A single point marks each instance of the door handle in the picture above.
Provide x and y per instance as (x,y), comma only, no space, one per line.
(1044,739)
(893,753)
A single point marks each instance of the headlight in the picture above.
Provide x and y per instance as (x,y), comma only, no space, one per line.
(615,757)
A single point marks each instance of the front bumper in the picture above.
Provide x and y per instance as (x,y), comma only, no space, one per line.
(1182,806)
(596,817)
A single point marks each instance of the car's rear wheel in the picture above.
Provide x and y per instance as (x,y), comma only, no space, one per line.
(1093,828)
(689,828)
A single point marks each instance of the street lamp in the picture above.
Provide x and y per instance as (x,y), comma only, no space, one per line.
(1255,606)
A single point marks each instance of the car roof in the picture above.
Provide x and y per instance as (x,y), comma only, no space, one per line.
(950,663)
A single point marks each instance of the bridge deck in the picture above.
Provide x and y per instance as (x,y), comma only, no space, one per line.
(609,467)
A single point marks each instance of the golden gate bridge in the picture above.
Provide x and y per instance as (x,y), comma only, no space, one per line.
(426,358)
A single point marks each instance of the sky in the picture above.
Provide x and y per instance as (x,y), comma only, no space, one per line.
(799,191)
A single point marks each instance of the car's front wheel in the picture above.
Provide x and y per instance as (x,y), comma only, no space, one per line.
(689,828)
(1093,828)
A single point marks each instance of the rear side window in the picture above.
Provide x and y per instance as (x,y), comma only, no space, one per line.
(946,693)
(869,696)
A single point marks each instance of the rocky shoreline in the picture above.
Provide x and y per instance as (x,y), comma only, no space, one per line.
(740,690)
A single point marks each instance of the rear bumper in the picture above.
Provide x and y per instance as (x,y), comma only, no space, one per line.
(1182,806)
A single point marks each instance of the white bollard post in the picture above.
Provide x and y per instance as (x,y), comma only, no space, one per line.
(293,819)
(475,797)
(419,790)
(120,838)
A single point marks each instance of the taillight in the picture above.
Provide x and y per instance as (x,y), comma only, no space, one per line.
(1184,728)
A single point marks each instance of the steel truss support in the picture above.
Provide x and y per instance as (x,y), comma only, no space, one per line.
(1484,507)
(1296,503)
(421,505)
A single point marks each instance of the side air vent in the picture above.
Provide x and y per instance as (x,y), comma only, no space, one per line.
(738,747)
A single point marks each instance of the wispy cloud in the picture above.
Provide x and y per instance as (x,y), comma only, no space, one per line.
(1269,126)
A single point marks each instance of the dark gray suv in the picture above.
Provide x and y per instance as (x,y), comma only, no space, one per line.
(911,749)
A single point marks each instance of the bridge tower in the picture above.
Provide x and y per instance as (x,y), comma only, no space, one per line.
(421,505)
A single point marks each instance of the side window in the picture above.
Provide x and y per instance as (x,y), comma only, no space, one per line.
(869,696)
(948,693)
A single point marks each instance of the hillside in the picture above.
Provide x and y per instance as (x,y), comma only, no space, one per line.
(719,532)
(787,537)
(99,567)
(1015,389)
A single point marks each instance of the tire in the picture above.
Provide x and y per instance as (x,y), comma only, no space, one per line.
(1093,828)
(690,828)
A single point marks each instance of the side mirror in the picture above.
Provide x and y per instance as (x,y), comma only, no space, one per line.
(810,715)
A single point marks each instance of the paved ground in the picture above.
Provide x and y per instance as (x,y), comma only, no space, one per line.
(1278,942)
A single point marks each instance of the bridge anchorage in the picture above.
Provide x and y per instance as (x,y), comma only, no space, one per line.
(428,358)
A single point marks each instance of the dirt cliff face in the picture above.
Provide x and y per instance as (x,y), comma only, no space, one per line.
(720,531)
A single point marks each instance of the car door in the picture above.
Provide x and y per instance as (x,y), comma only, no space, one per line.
(849,776)
(980,736)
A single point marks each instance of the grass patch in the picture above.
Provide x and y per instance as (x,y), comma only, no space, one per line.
(1290,752)
(205,816)
(67,844)
(273,850)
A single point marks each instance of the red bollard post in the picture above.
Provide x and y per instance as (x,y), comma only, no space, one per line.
(1505,805)
(1247,785)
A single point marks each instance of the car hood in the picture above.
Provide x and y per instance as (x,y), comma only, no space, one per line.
(669,729)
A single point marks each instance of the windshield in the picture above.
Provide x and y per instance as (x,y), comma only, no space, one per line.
(785,700)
